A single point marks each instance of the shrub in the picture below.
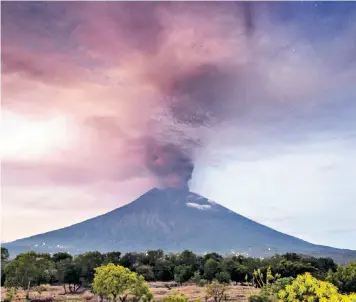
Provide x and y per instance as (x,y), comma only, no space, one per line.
(202,283)
(344,278)
(175,297)
(306,288)
(216,291)
(257,298)
(280,284)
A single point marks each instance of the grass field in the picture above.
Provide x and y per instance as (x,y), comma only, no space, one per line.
(159,290)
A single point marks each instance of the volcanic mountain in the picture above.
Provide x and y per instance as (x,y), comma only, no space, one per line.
(173,220)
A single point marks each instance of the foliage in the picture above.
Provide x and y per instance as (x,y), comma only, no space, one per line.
(57,257)
(223,277)
(216,291)
(280,284)
(257,298)
(306,288)
(146,271)
(112,257)
(267,284)
(4,254)
(140,290)
(344,278)
(69,273)
(27,270)
(163,270)
(113,281)
(211,268)
(175,297)
(182,273)
(236,270)
(4,259)
(86,264)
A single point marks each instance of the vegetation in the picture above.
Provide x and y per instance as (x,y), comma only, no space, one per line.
(115,281)
(216,291)
(307,288)
(123,277)
(344,278)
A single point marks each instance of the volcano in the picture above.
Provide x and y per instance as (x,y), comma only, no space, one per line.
(173,220)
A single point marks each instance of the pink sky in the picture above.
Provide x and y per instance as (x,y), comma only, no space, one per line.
(87,87)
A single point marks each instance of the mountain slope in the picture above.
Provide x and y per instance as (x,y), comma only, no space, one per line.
(173,220)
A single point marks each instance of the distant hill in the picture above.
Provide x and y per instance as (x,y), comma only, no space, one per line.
(174,220)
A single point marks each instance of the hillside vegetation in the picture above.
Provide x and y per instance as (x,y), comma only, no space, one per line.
(116,276)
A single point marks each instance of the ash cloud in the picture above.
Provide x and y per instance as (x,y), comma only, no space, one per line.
(148,84)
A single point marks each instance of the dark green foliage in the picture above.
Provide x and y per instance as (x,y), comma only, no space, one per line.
(4,258)
(257,298)
(223,277)
(86,263)
(112,257)
(154,265)
(129,260)
(344,278)
(4,254)
(28,270)
(146,271)
(281,283)
(182,273)
(69,273)
(163,270)
(57,257)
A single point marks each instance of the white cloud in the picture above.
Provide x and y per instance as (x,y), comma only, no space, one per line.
(199,206)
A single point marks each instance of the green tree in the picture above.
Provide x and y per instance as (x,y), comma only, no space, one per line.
(188,258)
(115,281)
(130,260)
(344,278)
(163,270)
(28,270)
(146,271)
(140,290)
(57,257)
(153,256)
(223,277)
(236,270)
(4,259)
(87,263)
(69,273)
(4,254)
(112,257)
(182,273)
(211,268)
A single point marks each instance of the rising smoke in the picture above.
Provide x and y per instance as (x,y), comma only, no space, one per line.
(197,97)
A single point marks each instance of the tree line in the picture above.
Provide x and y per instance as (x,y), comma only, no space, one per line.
(32,269)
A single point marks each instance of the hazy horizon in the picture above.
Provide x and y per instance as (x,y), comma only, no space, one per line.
(253,105)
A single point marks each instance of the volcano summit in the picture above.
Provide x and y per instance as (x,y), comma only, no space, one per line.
(173,220)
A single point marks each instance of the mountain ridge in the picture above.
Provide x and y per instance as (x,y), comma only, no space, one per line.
(174,220)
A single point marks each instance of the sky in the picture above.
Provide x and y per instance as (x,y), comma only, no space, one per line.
(252,105)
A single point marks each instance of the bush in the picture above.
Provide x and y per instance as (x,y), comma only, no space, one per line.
(216,291)
(281,284)
(257,298)
(202,283)
(307,288)
(344,278)
(174,298)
